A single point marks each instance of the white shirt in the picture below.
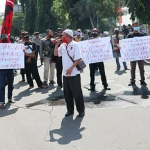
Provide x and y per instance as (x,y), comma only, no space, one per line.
(74,52)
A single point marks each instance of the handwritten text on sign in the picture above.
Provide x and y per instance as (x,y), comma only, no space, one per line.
(137,48)
(11,56)
(96,50)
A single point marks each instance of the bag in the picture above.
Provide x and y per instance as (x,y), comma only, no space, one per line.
(81,65)
(47,51)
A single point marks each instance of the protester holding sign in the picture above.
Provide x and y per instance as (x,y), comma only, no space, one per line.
(6,78)
(100,66)
(136,33)
(116,48)
(30,63)
(71,75)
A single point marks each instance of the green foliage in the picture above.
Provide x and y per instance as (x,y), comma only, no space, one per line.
(43,14)
(17,25)
(139,9)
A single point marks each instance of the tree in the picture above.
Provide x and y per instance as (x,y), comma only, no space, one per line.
(95,10)
(139,9)
(17,24)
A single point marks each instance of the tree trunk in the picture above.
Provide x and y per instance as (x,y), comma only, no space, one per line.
(91,20)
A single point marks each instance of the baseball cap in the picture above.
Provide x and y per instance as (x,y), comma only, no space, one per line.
(59,29)
(95,30)
(116,29)
(24,33)
(36,33)
(69,32)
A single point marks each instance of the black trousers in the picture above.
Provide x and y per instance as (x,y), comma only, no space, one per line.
(100,66)
(59,71)
(37,52)
(32,71)
(23,72)
(72,90)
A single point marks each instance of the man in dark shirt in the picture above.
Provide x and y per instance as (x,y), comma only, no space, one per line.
(30,63)
(136,33)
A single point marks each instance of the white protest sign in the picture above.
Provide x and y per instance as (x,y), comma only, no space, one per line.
(11,56)
(96,50)
(133,49)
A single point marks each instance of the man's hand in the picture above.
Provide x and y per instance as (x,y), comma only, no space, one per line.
(42,59)
(69,71)
(58,41)
(28,60)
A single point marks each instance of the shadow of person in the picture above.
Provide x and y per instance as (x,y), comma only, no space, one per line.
(20,84)
(120,72)
(144,92)
(70,130)
(24,93)
(6,111)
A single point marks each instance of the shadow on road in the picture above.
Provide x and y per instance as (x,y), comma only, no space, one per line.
(118,72)
(143,91)
(69,131)
(6,112)
(20,84)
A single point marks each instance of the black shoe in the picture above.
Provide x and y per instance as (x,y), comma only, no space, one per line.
(92,88)
(131,83)
(52,82)
(107,88)
(143,83)
(81,114)
(45,83)
(68,114)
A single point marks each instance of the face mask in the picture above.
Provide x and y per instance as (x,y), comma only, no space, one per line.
(94,34)
(136,29)
(78,33)
(49,36)
(64,40)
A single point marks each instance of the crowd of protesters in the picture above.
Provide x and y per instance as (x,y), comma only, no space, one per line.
(54,51)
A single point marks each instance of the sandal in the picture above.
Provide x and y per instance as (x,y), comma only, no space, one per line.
(2,106)
(11,101)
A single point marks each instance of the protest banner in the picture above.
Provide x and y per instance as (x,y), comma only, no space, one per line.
(96,50)
(11,56)
(133,49)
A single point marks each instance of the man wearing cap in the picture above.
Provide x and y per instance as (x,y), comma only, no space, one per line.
(116,48)
(71,75)
(136,33)
(37,41)
(99,65)
(6,78)
(46,51)
(30,64)
(78,36)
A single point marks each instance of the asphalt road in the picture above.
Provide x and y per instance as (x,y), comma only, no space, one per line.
(115,120)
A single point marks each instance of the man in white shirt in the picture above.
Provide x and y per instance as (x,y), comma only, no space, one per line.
(71,75)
